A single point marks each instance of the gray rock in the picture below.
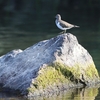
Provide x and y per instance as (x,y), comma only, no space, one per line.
(20,69)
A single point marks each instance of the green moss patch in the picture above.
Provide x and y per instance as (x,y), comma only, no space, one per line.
(48,76)
(58,73)
(91,71)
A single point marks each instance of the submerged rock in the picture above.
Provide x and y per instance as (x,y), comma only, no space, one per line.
(48,66)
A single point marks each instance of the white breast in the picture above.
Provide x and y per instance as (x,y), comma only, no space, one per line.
(58,25)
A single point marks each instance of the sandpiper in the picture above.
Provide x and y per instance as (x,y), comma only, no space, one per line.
(63,25)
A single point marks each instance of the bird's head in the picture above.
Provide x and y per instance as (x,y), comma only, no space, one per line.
(58,17)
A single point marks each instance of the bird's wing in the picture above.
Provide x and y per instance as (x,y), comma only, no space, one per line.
(65,24)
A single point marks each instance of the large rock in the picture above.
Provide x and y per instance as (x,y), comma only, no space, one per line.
(48,66)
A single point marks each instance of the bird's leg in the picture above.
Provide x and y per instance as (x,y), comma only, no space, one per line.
(64,31)
(61,32)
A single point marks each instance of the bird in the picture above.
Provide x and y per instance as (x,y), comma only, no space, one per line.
(63,25)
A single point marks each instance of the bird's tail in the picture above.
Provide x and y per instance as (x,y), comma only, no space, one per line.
(76,26)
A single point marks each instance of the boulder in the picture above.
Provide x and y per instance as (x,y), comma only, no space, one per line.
(47,67)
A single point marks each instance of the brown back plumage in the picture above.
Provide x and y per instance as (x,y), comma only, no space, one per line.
(64,24)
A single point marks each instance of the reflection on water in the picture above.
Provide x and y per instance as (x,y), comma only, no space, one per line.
(74,94)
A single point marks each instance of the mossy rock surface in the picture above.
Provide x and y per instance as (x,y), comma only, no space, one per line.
(59,77)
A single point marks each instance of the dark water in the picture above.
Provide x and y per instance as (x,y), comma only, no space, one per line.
(88,37)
